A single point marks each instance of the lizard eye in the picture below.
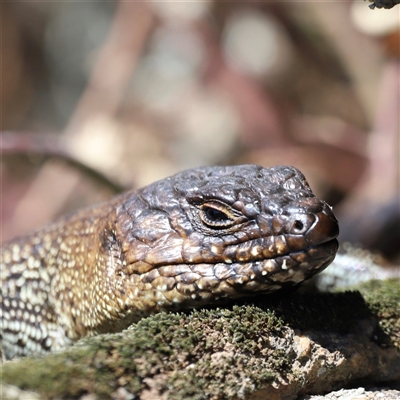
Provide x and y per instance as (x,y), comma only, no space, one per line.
(216,215)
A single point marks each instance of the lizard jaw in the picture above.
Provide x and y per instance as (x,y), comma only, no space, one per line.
(194,285)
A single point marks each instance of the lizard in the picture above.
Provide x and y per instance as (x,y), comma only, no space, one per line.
(197,238)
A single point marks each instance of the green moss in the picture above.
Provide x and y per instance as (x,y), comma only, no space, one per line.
(233,356)
(383,298)
(209,351)
(55,374)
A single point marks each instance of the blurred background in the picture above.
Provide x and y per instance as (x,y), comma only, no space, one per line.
(99,97)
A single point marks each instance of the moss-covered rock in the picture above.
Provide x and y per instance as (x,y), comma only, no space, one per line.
(273,347)
(383,299)
(220,352)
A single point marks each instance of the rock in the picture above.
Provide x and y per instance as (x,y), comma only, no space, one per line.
(270,347)
(358,394)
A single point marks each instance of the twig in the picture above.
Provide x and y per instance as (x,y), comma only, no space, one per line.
(50,145)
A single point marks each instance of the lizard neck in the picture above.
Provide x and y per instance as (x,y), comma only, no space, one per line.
(83,279)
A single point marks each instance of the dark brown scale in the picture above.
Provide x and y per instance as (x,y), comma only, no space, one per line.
(182,242)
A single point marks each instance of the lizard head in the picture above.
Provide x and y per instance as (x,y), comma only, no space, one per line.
(220,232)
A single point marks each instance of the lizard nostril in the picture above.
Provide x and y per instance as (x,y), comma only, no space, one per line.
(298,226)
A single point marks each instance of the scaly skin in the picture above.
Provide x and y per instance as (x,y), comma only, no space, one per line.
(195,238)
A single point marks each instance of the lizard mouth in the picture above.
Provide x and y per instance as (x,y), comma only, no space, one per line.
(289,269)
(264,275)
(194,285)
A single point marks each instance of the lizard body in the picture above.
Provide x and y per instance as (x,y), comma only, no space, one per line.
(192,239)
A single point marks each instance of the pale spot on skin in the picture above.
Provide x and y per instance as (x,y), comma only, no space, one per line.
(214,249)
